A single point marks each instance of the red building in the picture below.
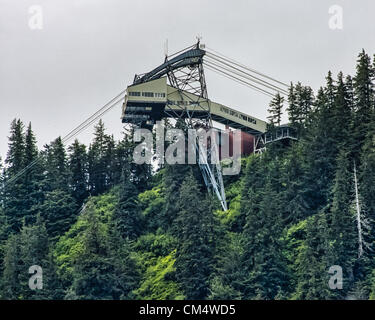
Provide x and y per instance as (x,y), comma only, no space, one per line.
(247,142)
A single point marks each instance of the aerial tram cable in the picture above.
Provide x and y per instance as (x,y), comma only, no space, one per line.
(223,57)
(238,80)
(73,133)
(248,74)
(249,77)
(65,139)
(67,136)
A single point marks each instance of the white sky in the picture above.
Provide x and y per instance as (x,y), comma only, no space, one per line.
(89,50)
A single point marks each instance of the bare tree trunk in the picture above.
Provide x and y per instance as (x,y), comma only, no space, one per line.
(358,209)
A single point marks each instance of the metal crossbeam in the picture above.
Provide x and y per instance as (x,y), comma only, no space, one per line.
(187,82)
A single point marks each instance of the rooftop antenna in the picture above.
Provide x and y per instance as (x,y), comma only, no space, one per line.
(199,38)
(166,48)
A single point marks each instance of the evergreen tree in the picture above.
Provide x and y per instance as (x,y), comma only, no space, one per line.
(98,171)
(109,158)
(367,186)
(140,174)
(12,269)
(31,150)
(29,248)
(15,206)
(104,269)
(295,194)
(228,283)
(311,263)
(330,91)
(342,114)
(16,152)
(56,163)
(93,271)
(343,238)
(320,152)
(127,215)
(34,249)
(364,99)
(306,99)
(126,274)
(300,100)
(78,169)
(293,111)
(263,257)
(195,223)
(59,210)
(33,177)
(275,110)
(173,177)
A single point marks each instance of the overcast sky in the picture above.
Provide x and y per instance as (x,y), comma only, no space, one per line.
(89,50)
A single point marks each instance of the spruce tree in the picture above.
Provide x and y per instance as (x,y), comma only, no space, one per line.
(33,177)
(311,263)
(16,151)
(367,178)
(293,112)
(320,152)
(295,194)
(306,101)
(59,212)
(78,168)
(195,230)
(364,99)
(12,269)
(141,174)
(109,159)
(56,163)
(15,206)
(127,215)
(34,251)
(276,110)
(300,101)
(126,274)
(228,282)
(98,171)
(342,114)
(265,264)
(98,274)
(173,177)
(342,231)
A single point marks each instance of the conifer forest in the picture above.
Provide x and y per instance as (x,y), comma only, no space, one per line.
(103,227)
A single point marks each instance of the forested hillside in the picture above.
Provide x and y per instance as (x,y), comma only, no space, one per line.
(102,227)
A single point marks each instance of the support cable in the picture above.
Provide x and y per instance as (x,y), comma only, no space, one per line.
(223,57)
(240,81)
(248,76)
(73,133)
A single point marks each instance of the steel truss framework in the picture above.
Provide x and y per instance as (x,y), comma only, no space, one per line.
(186,74)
